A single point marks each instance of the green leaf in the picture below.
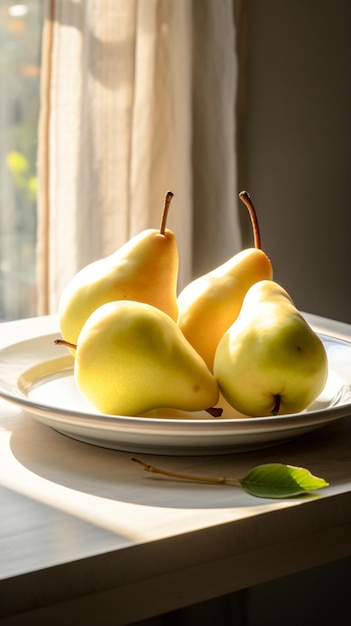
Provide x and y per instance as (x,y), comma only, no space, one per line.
(276,480)
(17,162)
(32,184)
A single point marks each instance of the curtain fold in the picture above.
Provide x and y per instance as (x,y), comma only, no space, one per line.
(137,97)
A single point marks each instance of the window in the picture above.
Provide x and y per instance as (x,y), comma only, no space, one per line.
(20,43)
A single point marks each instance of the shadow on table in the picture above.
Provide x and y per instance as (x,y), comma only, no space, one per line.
(112,474)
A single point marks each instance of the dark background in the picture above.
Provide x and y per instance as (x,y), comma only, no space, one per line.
(294,144)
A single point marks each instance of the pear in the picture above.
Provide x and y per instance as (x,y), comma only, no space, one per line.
(209,304)
(143,269)
(131,358)
(270,361)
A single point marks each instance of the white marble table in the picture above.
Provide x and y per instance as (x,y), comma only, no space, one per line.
(86,534)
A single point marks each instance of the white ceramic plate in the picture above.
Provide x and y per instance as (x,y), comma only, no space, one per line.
(37,376)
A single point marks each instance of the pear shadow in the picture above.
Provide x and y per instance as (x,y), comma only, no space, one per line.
(113,475)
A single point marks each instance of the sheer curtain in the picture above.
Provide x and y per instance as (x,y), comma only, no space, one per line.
(137,97)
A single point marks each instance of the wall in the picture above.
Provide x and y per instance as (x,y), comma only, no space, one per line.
(294,143)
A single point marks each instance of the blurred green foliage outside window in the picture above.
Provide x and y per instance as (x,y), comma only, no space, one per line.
(20,46)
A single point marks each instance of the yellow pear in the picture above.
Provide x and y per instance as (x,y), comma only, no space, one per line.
(270,361)
(131,358)
(210,304)
(143,269)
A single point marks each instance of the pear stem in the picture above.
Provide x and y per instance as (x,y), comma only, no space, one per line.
(277,400)
(245,198)
(214,411)
(62,342)
(204,479)
(168,199)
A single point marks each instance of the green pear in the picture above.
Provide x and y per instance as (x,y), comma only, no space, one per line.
(143,269)
(209,304)
(131,358)
(270,361)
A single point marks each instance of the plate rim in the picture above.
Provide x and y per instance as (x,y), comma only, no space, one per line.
(320,415)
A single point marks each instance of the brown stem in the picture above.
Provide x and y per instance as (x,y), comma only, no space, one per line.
(168,199)
(277,401)
(62,342)
(215,411)
(204,479)
(245,198)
